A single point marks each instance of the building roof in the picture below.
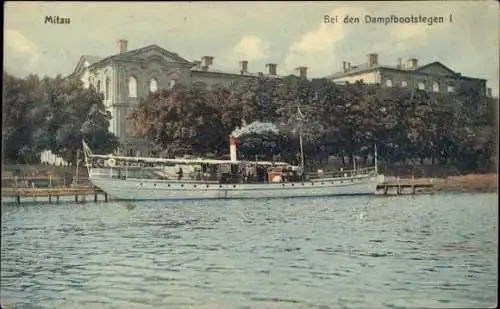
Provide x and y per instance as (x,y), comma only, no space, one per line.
(364,68)
(92,59)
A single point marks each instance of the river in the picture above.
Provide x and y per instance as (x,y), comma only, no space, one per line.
(425,251)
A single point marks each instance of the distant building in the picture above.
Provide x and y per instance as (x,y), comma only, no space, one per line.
(127,76)
(48,157)
(431,77)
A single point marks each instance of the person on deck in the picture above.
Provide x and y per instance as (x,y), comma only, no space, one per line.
(179,174)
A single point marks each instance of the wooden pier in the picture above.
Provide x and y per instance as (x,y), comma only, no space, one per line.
(402,186)
(79,194)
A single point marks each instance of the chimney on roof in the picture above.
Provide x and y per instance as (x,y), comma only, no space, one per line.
(372,59)
(344,66)
(411,63)
(400,63)
(348,66)
(302,71)
(197,64)
(489,93)
(207,61)
(271,69)
(243,67)
(122,46)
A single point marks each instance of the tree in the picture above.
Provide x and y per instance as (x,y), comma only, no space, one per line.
(49,113)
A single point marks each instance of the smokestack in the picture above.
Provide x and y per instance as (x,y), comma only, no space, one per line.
(400,63)
(344,66)
(232,148)
(122,46)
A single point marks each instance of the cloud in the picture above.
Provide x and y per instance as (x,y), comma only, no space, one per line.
(20,53)
(251,47)
(18,43)
(321,43)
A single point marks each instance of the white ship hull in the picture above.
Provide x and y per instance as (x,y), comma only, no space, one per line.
(152,189)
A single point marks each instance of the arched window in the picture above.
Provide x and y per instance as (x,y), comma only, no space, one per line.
(388,83)
(435,86)
(421,85)
(108,87)
(132,87)
(404,83)
(153,85)
(98,86)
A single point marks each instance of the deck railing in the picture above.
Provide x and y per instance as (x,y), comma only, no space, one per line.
(344,173)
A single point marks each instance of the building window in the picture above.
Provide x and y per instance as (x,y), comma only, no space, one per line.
(98,86)
(451,89)
(421,85)
(435,86)
(153,85)
(132,87)
(404,83)
(108,86)
(172,83)
(388,83)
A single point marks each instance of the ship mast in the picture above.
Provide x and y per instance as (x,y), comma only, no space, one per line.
(300,117)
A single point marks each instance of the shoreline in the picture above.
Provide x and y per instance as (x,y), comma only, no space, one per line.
(473,183)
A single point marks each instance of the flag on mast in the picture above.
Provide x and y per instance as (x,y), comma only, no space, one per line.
(87,153)
(300,116)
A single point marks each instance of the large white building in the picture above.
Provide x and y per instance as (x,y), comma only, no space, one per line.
(430,77)
(128,76)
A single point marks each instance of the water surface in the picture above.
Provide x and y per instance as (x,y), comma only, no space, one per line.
(434,251)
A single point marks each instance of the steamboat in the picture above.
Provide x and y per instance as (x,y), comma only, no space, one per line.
(147,178)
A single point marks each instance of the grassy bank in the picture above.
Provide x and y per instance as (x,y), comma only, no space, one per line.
(469,183)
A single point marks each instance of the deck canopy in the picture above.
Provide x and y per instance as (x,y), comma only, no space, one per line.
(188,161)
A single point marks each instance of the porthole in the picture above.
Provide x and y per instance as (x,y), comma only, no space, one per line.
(282,184)
(141,183)
(293,184)
(182,186)
(312,183)
(234,186)
(168,185)
(155,185)
(302,183)
(220,186)
(322,183)
(207,186)
(194,186)
(332,182)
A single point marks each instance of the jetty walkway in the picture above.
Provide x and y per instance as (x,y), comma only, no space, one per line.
(391,186)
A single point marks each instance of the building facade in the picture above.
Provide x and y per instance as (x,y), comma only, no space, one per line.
(431,77)
(128,76)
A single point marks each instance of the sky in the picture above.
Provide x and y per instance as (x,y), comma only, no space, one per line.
(290,34)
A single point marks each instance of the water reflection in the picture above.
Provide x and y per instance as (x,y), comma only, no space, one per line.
(427,251)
